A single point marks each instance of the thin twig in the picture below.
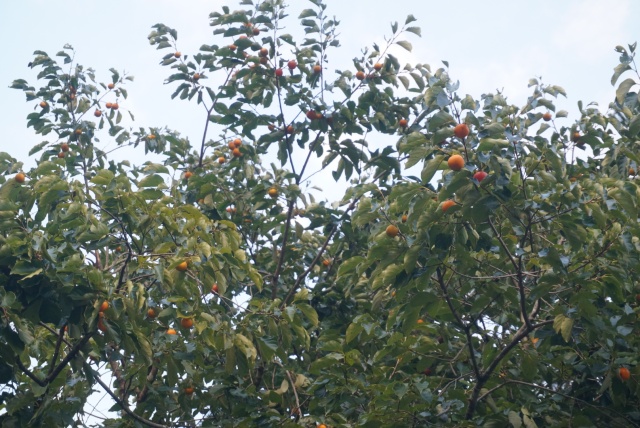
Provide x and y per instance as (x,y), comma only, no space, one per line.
(124,405)
(544,388)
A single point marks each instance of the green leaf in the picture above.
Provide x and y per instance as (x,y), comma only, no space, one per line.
(103,177)
(246,347)
(414,30)
(308,312)
(431,167)
(515,420)
(563,325)
(353,331)
(153,180)
(623,89)
(307,13)
(620,68)
(405,45)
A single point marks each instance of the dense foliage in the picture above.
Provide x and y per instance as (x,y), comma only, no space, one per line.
(492,288)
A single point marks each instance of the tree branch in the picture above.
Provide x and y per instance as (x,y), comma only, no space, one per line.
(319,255)
(544,388)
(71,355)
(56,352)
(151,376)
(520,334)
(206,125)
(465,327)
(124,405)
(29,373)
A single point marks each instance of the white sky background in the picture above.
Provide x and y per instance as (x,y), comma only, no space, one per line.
(490,44)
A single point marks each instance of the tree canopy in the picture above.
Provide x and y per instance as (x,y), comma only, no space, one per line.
(479,269)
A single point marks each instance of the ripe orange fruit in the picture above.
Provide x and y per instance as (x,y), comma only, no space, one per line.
(403,123)
(151,137)
(118,248)
(575,136)
(187,175)
(263,52)
(151,313)
(456,162)
(256,31)
(447,204)
(311,114)
(632,171)
(78,131)
(624,373)
(97,113)
(480,175)
(231,145)
(271,127)
(186,322)
(104,306)
(189,390)
(427,371)
(290,129)
(392,231)
(547,117)
(108,105)
(404,218)
(182,266)
(360,75)
(273,192)
(377,66)
(172,331)
(326,262)
(19,177)
(221,160)
(317,69)
(231,210)
(237,143)
(43,104)
(196,77)
(61,155)
(177,54)
(237,153)
(101,326)
(292,65)
(232,47)
(420,321)
(279,72)
(214,289)
(322,426)
(461,130)
(111,86)
(115,106)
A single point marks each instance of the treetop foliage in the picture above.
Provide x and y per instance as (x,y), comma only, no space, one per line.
(478,270)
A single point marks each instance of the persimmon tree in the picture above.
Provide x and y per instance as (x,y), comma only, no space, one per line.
(478,270)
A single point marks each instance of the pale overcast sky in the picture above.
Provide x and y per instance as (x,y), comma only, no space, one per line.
(489,45)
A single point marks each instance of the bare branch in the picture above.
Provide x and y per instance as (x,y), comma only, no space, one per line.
(544,388)
(319,255)
(124,405)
